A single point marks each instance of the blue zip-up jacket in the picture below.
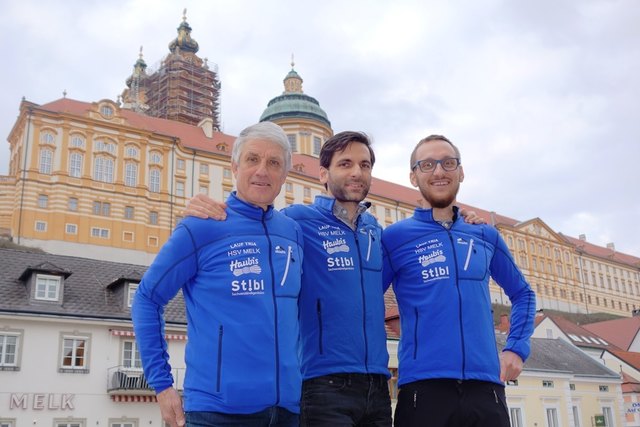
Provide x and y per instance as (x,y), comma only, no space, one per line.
(341,299)
(441,281)
(240,279)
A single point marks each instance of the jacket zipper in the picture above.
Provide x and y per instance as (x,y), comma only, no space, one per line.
(319,309)
(286,268)
(369,247)
(364,300)
(220,333)
(415,337)
(275,310)
(466,262)
(455,262)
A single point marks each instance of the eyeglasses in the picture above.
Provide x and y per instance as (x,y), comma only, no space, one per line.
(429,165)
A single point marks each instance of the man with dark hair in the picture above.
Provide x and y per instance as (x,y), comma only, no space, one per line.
(450,372)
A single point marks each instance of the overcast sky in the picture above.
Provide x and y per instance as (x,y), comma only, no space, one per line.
(543,98)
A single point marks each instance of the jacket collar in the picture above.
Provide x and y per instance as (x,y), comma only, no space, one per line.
(247,209)
(426,215)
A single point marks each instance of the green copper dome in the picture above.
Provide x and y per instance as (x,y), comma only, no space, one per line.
(294,105)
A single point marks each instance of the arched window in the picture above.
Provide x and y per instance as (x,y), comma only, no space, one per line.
(75,165)
(131,174)
(46,161)
(47,138)
(103,169)
(154,180)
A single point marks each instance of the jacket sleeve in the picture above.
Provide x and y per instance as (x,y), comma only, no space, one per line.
(174,266)
(523,300)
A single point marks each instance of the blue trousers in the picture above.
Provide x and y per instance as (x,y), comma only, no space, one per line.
(274,416)
(346,400)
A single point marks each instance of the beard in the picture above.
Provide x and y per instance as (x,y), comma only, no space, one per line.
(341,195)
(440,201)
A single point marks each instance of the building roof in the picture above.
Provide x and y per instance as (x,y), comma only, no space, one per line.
(579,335)
(557,355)
(90,289)
(621,332)
(602,252)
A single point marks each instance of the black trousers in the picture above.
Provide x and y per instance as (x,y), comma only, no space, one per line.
(451,403)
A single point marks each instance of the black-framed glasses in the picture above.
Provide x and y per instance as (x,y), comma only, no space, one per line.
(429,165)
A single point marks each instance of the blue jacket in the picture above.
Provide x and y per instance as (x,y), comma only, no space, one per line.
(240,279)
(441,281)
(341,299)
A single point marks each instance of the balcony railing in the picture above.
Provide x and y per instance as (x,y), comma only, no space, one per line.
(131,381)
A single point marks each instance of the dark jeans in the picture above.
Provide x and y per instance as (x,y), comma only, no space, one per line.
(342,400)
(451,403)
(274,416)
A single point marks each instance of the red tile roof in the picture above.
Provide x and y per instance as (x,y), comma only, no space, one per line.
(579,336)
(620,332)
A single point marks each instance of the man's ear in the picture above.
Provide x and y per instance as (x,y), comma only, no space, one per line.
(413,178)
(461,174)
(234,169)
(324,175)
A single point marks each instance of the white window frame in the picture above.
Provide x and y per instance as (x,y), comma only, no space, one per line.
(73,204)
(154,180)
(155,158)
(131,151)
(518,412)
(123,422)
(75,340)
(153,218)
(132,361)
(101,233)
(317,145)
(180,188)
(77,141)
(43,201)
(204,169)
(131,292)
(180,164)
(7,422)
(577,418)
(130,174)
(47,137)
(293,141)
(75,165)
(609,418)
(50,283)
(4,337)
(551,416)
(71,228)
(66,422)
(46,161)
(129,212)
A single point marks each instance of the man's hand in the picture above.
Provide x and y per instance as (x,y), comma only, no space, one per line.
(510,366)
(203,206)
(171,407)
(471,217)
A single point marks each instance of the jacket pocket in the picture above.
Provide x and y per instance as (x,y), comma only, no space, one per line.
(472,256)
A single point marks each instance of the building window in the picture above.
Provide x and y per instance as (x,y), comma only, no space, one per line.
(288,187)
(77,142)
(101,145)
(103,169)
(71,229)
(7,422)
(73,204)
(307,192)
(603,388)
(130,174)
(41,226)
(226,194)
(74,352)
(128,212)
(572,387)
(154,180)
(576,416)
(101,208)
(127,236)
(153,218)
(204,169)
(131,152)
(43,201)
(152,241)
(75,165)
(47,138)
(547,384)
(515,414)
(106,111)
(317,144)
(46,161)
(226,173)
(155,158)
(180,164)
(131,292)
(123,423)
(608,416)
(47,287)
(69,423)
(180,188)
(552,417)
(292,142)
(9,350)
(102,233)
(130,355)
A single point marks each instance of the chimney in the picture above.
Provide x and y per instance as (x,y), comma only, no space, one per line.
(583,237)
(611,246)
(206,125)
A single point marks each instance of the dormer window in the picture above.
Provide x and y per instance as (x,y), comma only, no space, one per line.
(47,287)
(131,292)
(106,111)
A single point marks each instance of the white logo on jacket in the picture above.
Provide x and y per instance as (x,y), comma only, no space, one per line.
(337,245)
(433,257)
(246,266)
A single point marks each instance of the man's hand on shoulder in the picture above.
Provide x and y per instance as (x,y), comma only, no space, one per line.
(471,217)
(203,206)
(171,407)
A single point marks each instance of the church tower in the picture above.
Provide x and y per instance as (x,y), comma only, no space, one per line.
(182,88)
(303,120)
